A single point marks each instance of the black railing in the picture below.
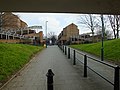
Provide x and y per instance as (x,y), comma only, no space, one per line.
(72,54)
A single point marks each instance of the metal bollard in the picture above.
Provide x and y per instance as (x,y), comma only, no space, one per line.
(50,75)
(65,50)
(85,66)
(74,57)
(68,53)
(116,78)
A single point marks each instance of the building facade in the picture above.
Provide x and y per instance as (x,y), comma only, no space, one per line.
(67,32)
(11,21)
(15,30)
(84,38)
(35,38)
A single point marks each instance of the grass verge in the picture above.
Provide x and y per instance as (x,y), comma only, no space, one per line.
(111,49)
(13,57)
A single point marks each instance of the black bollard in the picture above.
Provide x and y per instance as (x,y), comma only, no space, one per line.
(68,53)
(50,75)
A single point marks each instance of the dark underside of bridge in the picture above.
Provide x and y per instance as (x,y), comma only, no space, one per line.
(62,6)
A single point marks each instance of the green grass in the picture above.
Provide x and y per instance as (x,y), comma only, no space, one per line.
(111,49)
(13,57)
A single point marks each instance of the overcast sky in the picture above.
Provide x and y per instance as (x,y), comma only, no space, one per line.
(56,21)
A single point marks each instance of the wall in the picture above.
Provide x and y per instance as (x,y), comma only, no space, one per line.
(11,41)
(11,21)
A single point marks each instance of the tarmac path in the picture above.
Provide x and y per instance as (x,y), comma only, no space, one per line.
(67,76)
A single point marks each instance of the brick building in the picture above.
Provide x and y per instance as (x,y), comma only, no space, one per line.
(84,38)
(15,30)
(70,35)
(11,21)
(36,38)
(67,32)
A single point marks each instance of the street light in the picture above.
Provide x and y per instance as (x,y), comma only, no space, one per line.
(46,33)
(102,48)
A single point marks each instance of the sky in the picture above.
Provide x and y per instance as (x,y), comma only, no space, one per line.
(56,21)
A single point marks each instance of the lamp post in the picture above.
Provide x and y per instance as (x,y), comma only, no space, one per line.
(46,33)
(102,48)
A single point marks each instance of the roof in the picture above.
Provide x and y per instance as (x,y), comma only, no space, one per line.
(70,25)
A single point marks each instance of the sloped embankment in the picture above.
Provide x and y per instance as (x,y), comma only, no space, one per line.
(111,49)
(13,57)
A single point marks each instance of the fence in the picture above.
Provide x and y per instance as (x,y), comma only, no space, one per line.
(87,61)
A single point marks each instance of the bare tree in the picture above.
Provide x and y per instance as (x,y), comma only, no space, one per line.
(1,14)
(90,21)
(52,37)
(50,34)
(115,24)
(107,33)
(102,28)
(10,21)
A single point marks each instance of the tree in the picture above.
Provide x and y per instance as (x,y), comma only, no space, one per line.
(115,24)
(50,34)
(10,21)
(107,33)
(90,21)
(103,26)
(52,37)
(1,13)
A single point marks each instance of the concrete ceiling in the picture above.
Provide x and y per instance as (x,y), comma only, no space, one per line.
(62,6)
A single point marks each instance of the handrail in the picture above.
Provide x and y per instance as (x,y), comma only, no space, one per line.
(101,76)
(79,52)
(116,68)
(110,65)
(79,61)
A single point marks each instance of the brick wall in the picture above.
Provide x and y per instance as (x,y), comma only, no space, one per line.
(11,41)
(68,31)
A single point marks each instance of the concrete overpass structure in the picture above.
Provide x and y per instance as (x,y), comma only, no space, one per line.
(62,6)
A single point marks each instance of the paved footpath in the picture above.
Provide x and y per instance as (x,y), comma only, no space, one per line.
(67,76)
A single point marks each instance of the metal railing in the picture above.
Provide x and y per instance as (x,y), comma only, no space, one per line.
(71,53)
